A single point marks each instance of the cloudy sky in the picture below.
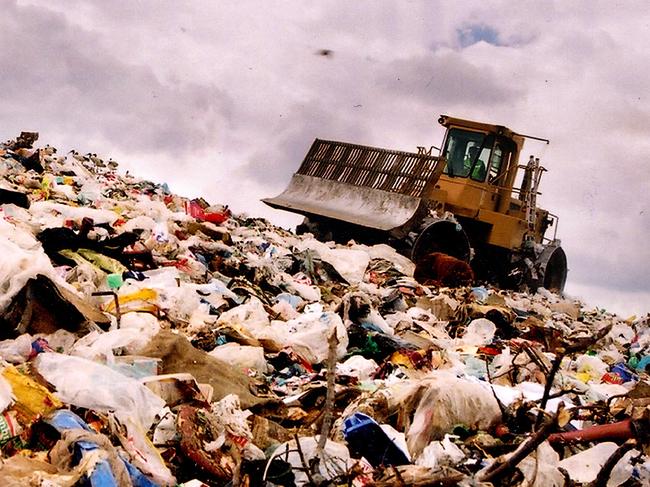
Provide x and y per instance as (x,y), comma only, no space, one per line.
(222,99)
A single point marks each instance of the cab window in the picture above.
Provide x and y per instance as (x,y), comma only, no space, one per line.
(499,163)
(495,163)
(467,154)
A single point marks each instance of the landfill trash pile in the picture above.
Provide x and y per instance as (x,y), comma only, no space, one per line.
(149,339)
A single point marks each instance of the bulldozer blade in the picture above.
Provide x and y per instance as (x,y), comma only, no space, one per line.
(310,196)
(366,186)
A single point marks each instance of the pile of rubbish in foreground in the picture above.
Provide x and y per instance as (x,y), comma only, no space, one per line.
(148,339)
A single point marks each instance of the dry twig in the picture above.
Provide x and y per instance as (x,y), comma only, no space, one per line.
(305,465)
(547,387)
(503,468)
(328,412)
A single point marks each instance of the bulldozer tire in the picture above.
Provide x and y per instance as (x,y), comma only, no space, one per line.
(444,236)
(552,269)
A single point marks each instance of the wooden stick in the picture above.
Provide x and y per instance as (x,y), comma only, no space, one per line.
(500,469)
(305,465)
(547,387)
(328,412)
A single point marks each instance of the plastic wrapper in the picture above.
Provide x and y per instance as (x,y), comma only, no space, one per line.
(135,366)
(139,300)
(105,263)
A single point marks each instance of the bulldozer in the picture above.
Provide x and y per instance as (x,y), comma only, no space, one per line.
(473,200)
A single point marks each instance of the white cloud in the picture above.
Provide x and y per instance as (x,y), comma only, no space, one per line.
(223,99)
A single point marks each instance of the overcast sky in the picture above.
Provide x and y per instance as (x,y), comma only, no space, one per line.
(222,99)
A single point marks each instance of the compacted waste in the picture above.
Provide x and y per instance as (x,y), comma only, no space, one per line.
(148,339)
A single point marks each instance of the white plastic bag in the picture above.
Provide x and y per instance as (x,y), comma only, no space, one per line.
(540,469)
(19,264)
(591,365)
(229,413)
(308,335)
(440,453)
(386,252)
(357,366)
(18,350)
(242,356)
(135,332)
(142,451)
(479,332)
(251,317)
(81,382)
(447,402)
(351,264)
(54,214)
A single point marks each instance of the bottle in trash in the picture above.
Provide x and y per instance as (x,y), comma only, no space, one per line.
(366,439)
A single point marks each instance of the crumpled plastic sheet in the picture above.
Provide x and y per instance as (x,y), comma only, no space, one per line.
(447,401)
(84,383)
(585,465)
(135,332)
(351,264)
(22,259)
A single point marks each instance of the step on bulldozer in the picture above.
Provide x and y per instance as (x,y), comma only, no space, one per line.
(463,202)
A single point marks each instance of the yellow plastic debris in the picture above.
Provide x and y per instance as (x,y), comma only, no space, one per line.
(32,399)
(139,301)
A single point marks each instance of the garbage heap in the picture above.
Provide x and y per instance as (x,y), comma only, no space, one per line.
(149,339)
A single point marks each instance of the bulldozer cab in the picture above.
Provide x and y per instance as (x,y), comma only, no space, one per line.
(470,154)
(481,165)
